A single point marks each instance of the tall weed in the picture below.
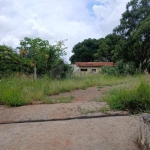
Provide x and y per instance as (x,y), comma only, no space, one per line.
(135,98)
(17,91)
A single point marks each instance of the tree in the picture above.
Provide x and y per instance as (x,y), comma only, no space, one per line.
(9,60)
(41,54)
(34,49)
(134,31)
(106,48)
(142,36)
(84,51)
(60,69)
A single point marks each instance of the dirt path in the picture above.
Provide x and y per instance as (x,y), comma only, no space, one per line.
(109,133)
(89,94)
(83,104)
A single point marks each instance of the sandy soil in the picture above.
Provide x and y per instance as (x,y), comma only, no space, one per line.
(109,133)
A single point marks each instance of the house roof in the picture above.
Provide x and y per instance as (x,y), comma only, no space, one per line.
(94,64)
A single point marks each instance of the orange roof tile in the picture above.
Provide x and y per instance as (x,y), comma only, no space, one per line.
(94,64)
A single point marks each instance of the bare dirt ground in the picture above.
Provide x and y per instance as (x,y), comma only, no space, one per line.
(83,104)
(88,94)
(108,133)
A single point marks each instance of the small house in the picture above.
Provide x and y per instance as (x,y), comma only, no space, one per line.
(91,67)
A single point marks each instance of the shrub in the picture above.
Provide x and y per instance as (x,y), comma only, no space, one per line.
(12,97)
(135,98)
(125,68)
(121,68)
(21,90)
(109,70)
(60,70)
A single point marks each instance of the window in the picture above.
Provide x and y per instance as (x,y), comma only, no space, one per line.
(83,69)
(93,71)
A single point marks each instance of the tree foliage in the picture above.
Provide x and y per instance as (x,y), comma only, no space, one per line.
(84,51)
(60,69)
(41,54)
(90,50)
(9,60)
(106,49)
(34,55)
(134,30)
(129,42)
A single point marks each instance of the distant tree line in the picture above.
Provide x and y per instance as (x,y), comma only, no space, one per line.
(129,42)
(34,56)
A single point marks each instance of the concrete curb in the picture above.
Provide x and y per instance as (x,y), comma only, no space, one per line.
(144,132)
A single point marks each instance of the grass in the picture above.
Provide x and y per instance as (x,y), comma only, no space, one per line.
(132,97)
(17,91)
(47,100)
(104,110)
(91,111)
(99,99)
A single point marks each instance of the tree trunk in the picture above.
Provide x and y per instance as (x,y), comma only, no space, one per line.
(35,70)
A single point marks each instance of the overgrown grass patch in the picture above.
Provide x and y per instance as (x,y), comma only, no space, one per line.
(135,97)
(12,97)
(17,91)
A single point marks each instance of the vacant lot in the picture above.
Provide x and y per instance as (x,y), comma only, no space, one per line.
(18,91)
(72,119)
(25,129)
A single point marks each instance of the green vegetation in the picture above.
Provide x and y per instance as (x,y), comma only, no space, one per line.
(121,68)
(129,42)
(128,46)
(134,97)
(17,91)
(91,111)
(99,99)
(34,57)
(104,110)
(134,30)
(84,51)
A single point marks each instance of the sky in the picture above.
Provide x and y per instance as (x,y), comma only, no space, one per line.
(55,20)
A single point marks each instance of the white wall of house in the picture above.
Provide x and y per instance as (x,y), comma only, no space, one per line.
(86,70)
(90,70)
(75,68)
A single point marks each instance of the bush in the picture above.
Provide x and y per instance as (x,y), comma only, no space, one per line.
(135,99)
(12,97)
(109,70)
(121,68)
(125,68)
(20,90)
(60,70)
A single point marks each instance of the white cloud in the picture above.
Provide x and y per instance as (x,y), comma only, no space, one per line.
(110,12)
(55,20)
(10,41)
(4,24)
